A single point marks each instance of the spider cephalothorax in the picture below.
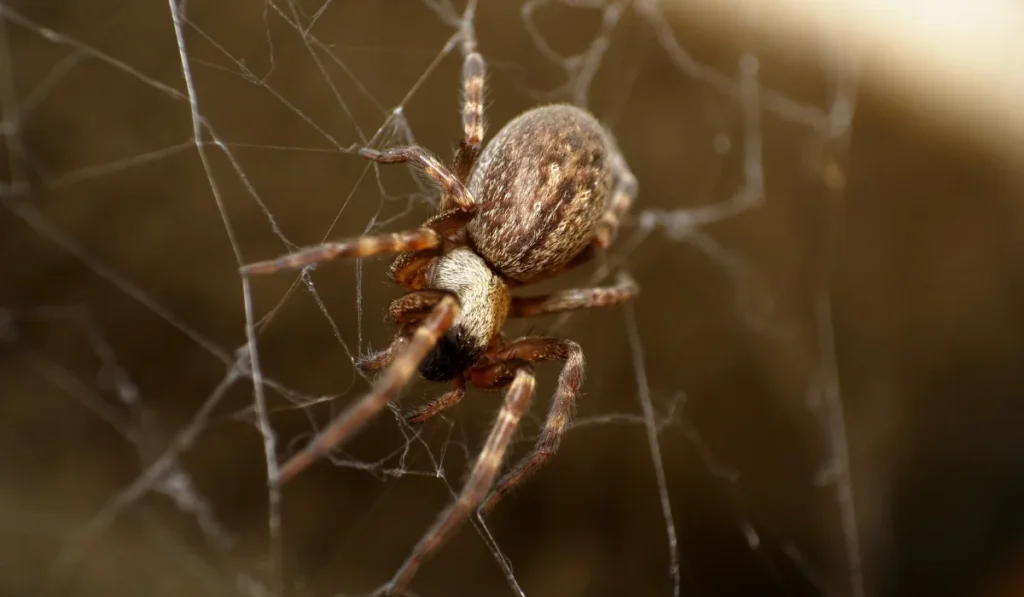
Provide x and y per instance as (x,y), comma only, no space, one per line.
(545,195)
(484,298)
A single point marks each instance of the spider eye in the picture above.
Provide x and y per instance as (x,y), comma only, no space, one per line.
(453,354)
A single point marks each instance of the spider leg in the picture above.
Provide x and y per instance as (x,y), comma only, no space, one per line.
(473,71)
(435,407)
(407,310)
(382,358)
(414,306)
(517,399)
(534,349)
(384,390)
(363,246)
(411,270)
(625,191)
(454,191)
(625,289)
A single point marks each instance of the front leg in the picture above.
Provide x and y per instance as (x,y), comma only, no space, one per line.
(385,389)
(456,195)
(473,72)
(376,361)
(408,311)
(419,239)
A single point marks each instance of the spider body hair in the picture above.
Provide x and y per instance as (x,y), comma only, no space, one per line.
(484,297)
(541,186)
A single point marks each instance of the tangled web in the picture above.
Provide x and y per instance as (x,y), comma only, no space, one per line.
(151,150)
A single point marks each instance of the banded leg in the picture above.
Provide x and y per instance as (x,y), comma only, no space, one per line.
(384,390)
(625,191)
(625,289)
(455,194)
(363,246)
(562,406)
(435,407)
(486,468)
(473,72)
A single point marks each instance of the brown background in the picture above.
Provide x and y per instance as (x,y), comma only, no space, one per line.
(920,252)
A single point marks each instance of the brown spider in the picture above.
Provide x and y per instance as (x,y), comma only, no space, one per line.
(545,195)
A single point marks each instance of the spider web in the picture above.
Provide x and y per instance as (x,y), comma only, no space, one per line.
(151,150)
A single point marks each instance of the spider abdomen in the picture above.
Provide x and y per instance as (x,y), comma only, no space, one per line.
(541,186)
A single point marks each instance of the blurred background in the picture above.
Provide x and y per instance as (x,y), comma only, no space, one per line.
(831,358)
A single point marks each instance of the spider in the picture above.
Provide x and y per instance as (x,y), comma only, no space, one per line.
(545,195)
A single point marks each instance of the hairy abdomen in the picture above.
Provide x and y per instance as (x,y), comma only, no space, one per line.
(541,186)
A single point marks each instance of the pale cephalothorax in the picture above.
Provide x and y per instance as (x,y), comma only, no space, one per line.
(546,194)
(484,298)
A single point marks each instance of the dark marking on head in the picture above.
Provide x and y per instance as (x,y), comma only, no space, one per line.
(453,354)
